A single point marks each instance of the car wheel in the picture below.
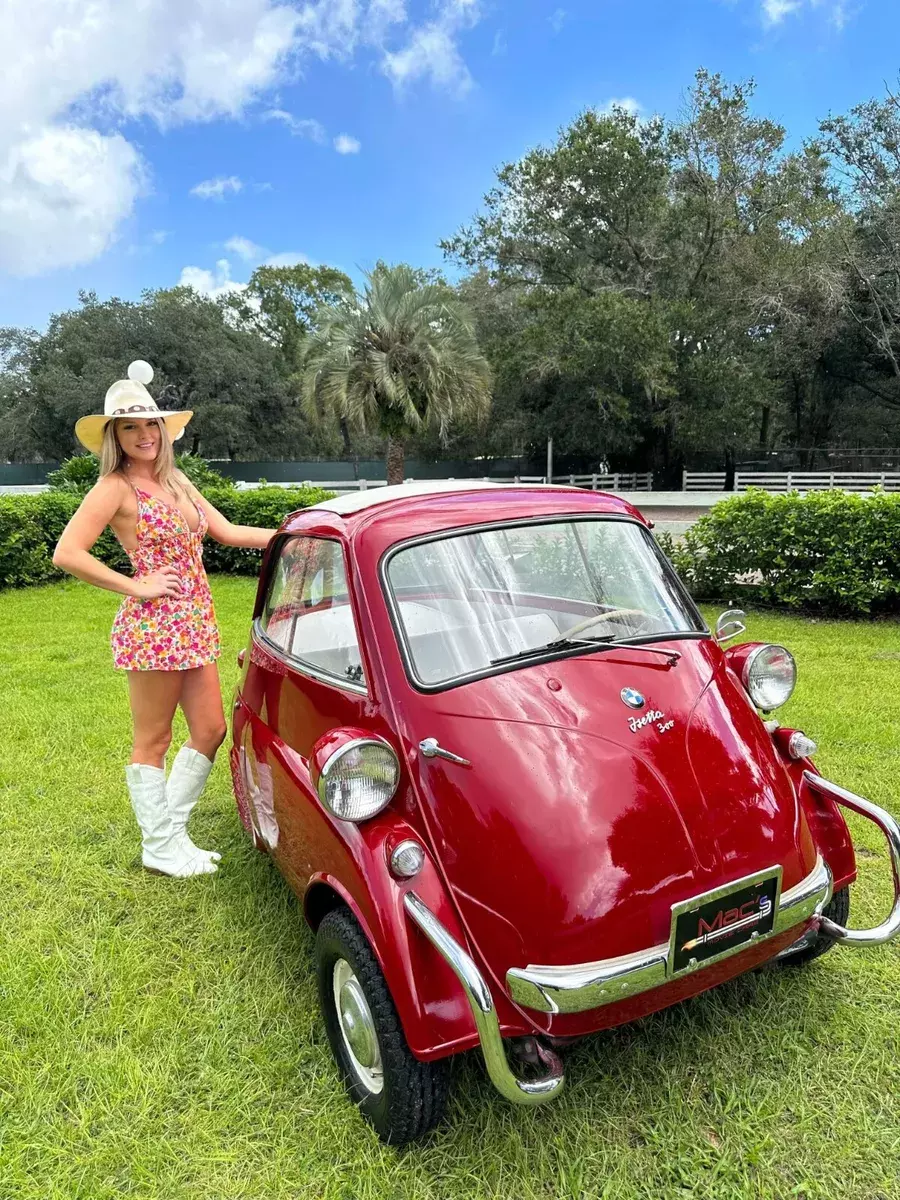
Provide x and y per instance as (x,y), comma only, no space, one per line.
(838,909)
(401,1097)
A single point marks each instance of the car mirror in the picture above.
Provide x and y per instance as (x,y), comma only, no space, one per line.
(730,625)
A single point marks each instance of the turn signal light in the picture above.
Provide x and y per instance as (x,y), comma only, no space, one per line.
(800,746)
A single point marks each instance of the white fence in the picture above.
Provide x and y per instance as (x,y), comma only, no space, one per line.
(788,481)
(619,481)
(362,485)
(702,481)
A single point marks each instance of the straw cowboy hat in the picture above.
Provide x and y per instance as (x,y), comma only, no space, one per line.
(129,398)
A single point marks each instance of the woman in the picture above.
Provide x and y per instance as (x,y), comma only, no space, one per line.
(165,634)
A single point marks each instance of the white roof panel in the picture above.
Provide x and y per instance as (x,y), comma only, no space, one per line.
(352,502)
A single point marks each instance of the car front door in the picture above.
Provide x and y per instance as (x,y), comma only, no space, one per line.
(306,678)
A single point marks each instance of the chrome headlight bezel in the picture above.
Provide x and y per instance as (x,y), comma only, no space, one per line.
(329,777)
(767,692)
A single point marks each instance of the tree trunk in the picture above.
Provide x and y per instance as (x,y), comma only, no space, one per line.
(345,436)
(729,468)
(765,417)
(395,454)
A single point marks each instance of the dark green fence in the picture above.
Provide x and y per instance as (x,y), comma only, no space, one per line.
(19,474)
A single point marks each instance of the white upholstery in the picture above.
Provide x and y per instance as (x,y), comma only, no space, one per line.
(443,644)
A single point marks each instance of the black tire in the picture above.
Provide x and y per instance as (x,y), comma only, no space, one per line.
(838,909)
(413,1094)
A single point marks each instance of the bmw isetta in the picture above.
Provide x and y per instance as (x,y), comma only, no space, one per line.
(521,790)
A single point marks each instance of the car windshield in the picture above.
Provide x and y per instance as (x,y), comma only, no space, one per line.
(469,603)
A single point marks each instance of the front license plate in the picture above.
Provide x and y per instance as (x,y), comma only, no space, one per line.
(723,920)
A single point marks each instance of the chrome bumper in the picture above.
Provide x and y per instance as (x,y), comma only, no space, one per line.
(591,985)
(572,989)
(888,929)
(519,1091)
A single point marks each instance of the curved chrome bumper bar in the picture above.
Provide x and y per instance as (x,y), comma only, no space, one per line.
(865,808)
(519,1091)
(591,985)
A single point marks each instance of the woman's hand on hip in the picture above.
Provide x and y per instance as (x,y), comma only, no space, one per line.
(161,583)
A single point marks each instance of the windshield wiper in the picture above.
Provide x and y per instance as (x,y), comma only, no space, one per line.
(593,643)
(548,648)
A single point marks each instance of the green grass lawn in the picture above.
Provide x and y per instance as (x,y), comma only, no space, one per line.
(161,1038)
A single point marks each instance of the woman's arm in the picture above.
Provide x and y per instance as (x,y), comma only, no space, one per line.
(250,537)
(72,553)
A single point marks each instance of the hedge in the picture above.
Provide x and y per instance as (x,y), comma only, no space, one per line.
(30,527)
(833,552)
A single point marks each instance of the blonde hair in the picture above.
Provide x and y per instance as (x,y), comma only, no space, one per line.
(114,459)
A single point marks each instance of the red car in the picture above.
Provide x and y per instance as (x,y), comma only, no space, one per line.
(519,787)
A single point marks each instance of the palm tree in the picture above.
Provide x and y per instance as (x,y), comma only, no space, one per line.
(397,359)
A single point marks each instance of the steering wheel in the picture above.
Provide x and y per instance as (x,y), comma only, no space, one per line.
(613,615)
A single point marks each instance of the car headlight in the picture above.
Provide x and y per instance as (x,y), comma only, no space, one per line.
(358,779)
(769,675)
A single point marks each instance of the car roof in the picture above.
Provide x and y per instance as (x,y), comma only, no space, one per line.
(386,515)
(352,502)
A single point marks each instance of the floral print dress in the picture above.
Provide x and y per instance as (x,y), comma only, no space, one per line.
(170,633)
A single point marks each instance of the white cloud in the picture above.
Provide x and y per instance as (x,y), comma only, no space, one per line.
(216,189)
(558,20)
(76,72)
(218,282)
(837,11)
(63,195)
(499,47)
(158,236)
(432,51)
(628,103)
(214,284)
(315,130)
(839,15)
(299,127)
(774,12)
(381,16)
(287,258)
(245,249)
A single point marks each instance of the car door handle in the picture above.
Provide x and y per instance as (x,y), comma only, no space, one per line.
(430,748)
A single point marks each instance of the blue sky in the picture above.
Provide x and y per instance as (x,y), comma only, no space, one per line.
(192,139)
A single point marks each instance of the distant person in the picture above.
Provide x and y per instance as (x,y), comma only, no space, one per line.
(165,633)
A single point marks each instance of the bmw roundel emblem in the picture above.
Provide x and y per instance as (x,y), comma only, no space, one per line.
(632,698)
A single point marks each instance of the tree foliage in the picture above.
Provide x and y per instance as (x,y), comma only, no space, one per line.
(280,303)
(644,291)
(233,380)
(400,358)
(686,284)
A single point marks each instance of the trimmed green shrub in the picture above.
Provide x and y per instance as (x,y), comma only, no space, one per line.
(832,551)
(79,473)
(30,527)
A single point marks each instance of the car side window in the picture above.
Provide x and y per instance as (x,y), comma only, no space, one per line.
(308,614)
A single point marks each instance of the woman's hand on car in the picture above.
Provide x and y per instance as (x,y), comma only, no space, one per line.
(161,583)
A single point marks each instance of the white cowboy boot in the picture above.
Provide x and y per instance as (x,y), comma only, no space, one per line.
(162,849)
(187,779)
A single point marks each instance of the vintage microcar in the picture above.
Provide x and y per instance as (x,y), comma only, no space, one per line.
(520,788)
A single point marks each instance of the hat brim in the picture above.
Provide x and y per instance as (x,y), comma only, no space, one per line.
(89,430)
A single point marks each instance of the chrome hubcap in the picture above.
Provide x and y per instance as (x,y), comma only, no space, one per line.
(357,1028)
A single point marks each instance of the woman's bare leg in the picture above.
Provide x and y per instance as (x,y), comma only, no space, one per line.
(201,703)
(154,698)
